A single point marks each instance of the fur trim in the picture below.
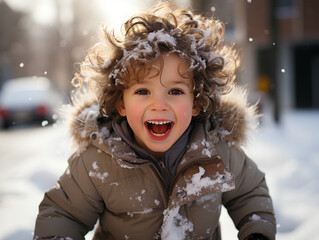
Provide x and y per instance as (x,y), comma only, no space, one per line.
(233,119)
(81,118)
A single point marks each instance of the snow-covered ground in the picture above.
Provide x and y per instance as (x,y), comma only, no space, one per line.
(31,160)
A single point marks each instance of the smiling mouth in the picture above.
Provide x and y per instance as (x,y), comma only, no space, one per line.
(159,128)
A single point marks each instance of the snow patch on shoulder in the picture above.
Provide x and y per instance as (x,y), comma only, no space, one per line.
(97,174)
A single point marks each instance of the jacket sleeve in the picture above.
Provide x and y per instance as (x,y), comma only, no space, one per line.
(72,207)
(249,204)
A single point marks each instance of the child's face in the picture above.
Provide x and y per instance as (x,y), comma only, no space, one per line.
(160,108)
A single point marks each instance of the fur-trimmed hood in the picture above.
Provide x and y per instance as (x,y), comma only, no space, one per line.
(231,121)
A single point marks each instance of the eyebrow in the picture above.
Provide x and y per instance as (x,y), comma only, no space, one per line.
(171,82)
(181,82)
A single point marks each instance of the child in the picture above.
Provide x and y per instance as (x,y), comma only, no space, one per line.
(159,140)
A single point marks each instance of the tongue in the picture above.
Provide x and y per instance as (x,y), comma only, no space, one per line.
(159,129)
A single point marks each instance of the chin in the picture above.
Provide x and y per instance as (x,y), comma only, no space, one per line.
(159,149)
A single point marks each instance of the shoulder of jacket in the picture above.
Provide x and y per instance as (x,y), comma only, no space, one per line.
(237,161)
(101,167)
(232,155)
(88,156)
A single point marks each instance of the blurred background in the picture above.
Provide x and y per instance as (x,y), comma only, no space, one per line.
(278,42)
(42,41)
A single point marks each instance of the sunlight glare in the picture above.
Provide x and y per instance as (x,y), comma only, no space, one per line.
(115,13)
(44,12)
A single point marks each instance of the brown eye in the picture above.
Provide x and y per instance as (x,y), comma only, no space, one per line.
(176,92)
(142,92)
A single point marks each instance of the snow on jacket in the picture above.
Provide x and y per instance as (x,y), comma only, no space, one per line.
(107,181)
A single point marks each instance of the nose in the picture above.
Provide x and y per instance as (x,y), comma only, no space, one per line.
(159,102)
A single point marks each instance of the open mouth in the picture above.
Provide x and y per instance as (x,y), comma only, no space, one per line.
(159,128)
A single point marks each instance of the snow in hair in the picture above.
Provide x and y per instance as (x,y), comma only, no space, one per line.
(114,60)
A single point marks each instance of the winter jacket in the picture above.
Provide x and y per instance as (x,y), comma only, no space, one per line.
(106,181)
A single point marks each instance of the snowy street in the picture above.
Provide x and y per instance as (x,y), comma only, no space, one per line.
(31,161)
(33,158)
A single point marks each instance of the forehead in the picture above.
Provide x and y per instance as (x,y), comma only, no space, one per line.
(174,63)
(168,66)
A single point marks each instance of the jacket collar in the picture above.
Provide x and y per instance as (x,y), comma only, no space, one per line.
(194,146)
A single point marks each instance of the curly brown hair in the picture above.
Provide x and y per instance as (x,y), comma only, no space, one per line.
(114,60)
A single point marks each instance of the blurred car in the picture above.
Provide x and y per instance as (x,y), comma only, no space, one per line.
(27,99)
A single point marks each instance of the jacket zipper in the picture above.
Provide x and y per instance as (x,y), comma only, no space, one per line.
(162,181)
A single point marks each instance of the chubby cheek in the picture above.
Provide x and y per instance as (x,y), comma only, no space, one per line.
(134,118)
(184,115)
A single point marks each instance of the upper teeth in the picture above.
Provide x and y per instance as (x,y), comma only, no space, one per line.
(159,123)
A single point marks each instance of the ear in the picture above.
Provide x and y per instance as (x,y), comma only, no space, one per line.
(120,107)
(195,111)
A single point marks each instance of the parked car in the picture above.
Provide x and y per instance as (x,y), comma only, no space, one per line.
(27,99)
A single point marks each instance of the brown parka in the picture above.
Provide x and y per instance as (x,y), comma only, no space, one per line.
(106,181)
